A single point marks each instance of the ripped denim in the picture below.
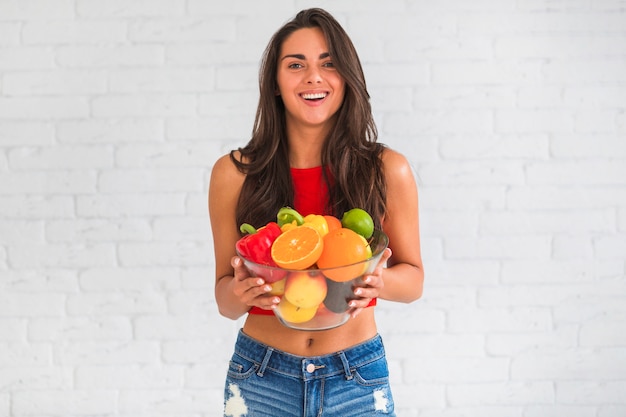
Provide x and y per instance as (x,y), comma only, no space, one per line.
(264,382)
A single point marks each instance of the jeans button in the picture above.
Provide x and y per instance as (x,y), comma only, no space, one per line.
(310,368)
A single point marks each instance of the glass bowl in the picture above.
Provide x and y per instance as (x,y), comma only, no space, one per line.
(320,296)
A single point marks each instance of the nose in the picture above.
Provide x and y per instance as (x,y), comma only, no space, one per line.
(313,75)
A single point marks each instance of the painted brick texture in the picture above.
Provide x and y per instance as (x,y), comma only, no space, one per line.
(512,112)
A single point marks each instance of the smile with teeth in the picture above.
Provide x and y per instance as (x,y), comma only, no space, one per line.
(314,96)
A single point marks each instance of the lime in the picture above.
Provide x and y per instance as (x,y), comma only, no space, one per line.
(358,220)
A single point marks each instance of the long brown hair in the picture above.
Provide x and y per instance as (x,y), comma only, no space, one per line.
(351,150)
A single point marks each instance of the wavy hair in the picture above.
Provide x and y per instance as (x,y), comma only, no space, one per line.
(351,151)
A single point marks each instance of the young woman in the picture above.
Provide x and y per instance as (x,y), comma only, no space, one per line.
(314,147)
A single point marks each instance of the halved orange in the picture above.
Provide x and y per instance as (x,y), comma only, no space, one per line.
(297,248)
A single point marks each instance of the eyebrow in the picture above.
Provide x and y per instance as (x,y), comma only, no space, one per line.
(301,56)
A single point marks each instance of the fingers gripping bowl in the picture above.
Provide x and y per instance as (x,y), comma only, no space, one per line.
(317,298)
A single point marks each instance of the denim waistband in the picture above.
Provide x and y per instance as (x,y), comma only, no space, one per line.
(309,367)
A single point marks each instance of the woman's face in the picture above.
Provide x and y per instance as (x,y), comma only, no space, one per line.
(310,86)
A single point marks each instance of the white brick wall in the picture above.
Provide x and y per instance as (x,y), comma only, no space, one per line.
(513,113)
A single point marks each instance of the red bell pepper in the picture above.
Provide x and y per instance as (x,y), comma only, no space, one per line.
(256,245)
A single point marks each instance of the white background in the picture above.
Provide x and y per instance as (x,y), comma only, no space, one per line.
(513,113)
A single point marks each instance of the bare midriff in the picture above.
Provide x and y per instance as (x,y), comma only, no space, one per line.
(270,331)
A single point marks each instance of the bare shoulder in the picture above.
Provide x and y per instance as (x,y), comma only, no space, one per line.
(396,167)
(401,189)
(225,185)
(224,168)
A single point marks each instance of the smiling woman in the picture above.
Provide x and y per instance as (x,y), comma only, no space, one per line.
(311,88)
(314,135)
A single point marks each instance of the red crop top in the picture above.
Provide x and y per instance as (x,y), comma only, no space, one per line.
(310,197)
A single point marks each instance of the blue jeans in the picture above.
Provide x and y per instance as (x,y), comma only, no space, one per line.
(265,382)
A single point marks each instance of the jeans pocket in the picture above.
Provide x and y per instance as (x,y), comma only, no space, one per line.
(241,368)
(372,373)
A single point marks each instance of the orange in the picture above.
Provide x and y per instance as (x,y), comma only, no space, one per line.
(333,222)
(346,249)
(297,248)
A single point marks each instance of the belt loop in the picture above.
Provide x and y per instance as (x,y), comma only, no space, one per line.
(266,359)
(346,365)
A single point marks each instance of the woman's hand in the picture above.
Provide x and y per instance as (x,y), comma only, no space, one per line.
(251,291)
(373,285)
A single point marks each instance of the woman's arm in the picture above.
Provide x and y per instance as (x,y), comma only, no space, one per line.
(235,290)
(403,278)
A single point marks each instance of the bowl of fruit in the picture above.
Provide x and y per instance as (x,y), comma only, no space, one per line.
(313,263)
